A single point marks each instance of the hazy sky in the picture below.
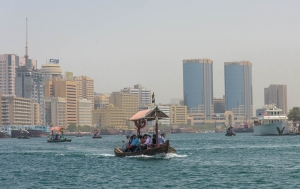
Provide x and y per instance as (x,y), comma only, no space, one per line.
(122,43)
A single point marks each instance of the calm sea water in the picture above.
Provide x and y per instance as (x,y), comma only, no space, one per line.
(202,161)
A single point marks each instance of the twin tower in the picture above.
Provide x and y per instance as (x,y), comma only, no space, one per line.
(198,87)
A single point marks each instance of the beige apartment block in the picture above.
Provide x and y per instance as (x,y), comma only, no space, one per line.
(84,112)
(68,90)
(56,111)
(96,117)
(16,110)
(36,117)
(101,101)
(127,102)
(85,88)
(109,117)
(178,114)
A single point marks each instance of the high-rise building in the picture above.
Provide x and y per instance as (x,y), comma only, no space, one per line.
(56,111)
(68,90)
(198,85)
(8,65)
(219,105)
(84,112)
(29,83)
(277,94)
(238,89)
(144,95)
(85,88)
(16,110)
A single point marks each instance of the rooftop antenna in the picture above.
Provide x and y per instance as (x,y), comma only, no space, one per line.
(26,48)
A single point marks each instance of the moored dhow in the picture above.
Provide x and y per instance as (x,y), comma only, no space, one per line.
(272,122)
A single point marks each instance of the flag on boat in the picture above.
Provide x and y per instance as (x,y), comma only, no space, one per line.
(153,99)
(265,113)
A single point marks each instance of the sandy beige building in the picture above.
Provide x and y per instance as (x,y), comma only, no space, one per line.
(127,102)
(56,111)
(101,101)
(84,112)
(178,114)
(85,88)
(110,117)
(35,116)
(64,89)
(16,110)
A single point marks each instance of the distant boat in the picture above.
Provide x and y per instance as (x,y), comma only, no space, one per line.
(271,123)
(56,137)
(79,134)
(4,134)
(24,134)
(243,128)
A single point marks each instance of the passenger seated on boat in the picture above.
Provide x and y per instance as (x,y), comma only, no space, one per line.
(134,143)
(148,141)
(161,139)
(142,145)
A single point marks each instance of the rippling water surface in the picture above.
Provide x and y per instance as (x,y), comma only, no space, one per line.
(202,161)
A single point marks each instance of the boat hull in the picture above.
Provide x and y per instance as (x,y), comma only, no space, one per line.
(61,140)
(97,137)
(24,137)
(230,134)
(4,135)
(277,128)
(163,149)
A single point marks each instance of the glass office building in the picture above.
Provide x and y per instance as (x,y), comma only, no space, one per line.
(198,85)
(238,88)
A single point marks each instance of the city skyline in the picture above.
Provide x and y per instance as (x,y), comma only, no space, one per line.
(155,40)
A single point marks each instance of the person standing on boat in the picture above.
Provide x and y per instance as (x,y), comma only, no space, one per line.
(134,143)
(162,138)
(126,143)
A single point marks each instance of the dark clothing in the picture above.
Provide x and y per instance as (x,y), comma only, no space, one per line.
(154,141)
(132,148)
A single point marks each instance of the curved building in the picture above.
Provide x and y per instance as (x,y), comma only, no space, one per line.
(51,70)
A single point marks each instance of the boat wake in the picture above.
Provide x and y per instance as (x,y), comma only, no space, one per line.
(99,155)
(159,156)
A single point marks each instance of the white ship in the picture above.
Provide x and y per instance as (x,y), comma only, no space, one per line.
(272,122)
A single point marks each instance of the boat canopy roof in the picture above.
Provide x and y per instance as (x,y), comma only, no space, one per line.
(149,115)
(56,128)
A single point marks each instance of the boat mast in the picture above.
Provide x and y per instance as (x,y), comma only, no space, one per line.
(156,126)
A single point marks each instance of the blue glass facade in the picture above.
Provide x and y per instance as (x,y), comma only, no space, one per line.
(198,83)
(238,86)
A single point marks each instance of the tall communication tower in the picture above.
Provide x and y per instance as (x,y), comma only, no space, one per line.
(26,48)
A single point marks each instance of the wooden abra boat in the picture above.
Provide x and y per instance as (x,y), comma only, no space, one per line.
(230,134)
(162,149)
(140,122)
(55,138)
(97,137)
(96,134)
(59,140)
